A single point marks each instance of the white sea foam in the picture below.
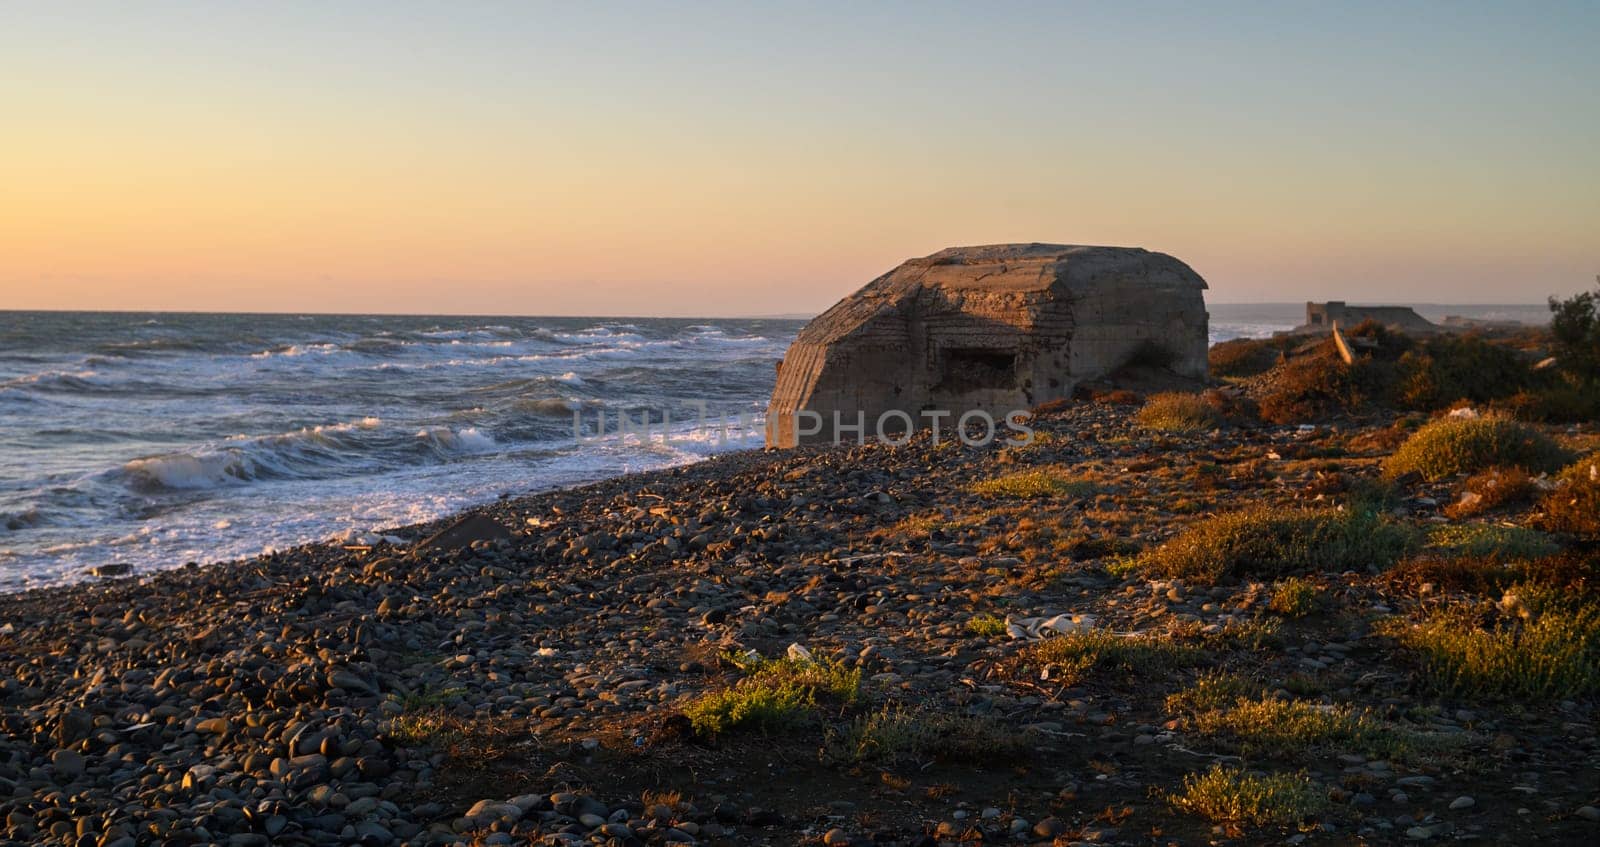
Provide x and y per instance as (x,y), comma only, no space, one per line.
(295,350)
(465,440)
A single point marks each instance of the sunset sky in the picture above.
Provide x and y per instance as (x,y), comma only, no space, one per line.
(758,158)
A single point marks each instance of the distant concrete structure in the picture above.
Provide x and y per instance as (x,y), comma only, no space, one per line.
(1320,317)
(1463,323)
(992,329)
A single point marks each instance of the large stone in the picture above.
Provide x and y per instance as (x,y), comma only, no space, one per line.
(992,329)
(464,533)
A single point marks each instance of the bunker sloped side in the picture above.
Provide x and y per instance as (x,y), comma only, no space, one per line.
(860,374)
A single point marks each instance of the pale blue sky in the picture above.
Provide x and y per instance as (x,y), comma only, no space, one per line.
(744,158)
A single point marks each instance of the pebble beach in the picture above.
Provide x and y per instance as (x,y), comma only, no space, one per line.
(530,677)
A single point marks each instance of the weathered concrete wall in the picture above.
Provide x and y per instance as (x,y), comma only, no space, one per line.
(993,329)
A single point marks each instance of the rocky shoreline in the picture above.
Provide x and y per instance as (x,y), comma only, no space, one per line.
(538,687)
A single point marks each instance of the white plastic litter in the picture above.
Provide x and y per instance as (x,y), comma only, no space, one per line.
(1033,629)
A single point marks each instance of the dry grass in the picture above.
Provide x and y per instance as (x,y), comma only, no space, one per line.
(460,739)
(1235,796)
(1574,505)
(1576,573)
(1269,542)
(1450,446)
(1310,388)
(1177,412)
(1491,489)
(1242,357)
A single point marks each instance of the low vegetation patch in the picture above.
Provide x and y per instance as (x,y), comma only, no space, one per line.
(1292,728)
(1294,598)
(773,694)
(1535,651)
(1235,796)
(1211,690)
(1175,411)
(986,625)
(1574,504)
(460,739)
(899,733)
(1449,446)
(1312,387)
(1269,542)
(1069,658)
(1242,357)
(1449,368)
(1492,542)
(1573,572)
(1036,482)
(1492,489)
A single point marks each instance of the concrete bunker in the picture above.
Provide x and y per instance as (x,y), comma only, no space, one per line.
(990,329)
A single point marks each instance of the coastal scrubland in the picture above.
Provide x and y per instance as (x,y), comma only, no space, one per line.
(1312,603)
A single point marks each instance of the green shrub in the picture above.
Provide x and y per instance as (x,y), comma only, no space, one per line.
(1450,446)
(1557,399)
(1269,542)
(1175,411)
(1552,655)
(1575,324)
(1235,796)
(1449,368)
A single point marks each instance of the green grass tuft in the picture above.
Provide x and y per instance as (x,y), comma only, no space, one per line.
(1235,796)
(1070,657)
(1273,727)
(774,693)
(1295,598)
(986,625)
(1211,690)
(1036,482)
